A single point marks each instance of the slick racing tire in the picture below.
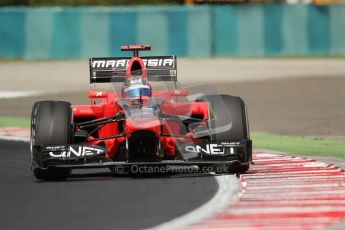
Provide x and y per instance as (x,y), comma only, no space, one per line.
(228,122)
(51,124)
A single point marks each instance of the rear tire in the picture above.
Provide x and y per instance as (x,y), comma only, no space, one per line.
(228,122)
(51,124)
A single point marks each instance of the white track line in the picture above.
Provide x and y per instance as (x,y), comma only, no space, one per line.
(16,94)
(228,186)
(8,138)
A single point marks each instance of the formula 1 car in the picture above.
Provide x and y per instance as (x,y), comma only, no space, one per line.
(138,126)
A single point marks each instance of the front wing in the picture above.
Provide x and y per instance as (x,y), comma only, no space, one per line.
(203,153)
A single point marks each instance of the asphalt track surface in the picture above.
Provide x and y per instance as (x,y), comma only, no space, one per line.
(95,200)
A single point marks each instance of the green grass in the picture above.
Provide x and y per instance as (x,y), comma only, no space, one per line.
(14,122)
(299,145)
(288,144)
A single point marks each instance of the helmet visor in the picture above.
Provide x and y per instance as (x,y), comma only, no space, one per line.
(135,91)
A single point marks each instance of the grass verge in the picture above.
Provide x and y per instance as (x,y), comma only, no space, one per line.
(299,145)
(14,122)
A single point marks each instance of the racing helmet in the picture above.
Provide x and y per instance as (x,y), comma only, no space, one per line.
(135,87)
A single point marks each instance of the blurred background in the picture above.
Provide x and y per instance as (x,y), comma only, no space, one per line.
(75,29)
(285,58)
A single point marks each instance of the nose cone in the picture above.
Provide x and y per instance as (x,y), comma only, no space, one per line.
(143,122)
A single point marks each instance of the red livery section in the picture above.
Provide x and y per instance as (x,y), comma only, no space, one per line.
(108,108)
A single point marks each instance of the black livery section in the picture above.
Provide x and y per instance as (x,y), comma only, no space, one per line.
(113,69)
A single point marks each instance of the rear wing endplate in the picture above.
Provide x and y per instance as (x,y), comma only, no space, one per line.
(113,69)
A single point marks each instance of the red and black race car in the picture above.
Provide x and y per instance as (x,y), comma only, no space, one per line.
(137,125)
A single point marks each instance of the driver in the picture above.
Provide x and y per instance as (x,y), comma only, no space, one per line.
(135,87)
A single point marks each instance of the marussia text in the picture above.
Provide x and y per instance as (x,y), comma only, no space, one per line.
(81,151)
(157,62)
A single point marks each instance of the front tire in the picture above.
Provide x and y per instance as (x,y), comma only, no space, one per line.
(228,122)
(51,124)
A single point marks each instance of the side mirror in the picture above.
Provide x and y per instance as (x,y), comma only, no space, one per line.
(97,94)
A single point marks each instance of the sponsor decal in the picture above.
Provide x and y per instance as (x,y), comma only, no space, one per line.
(210,149)
(55,147)
(231,144)
(73,151)
(122,63)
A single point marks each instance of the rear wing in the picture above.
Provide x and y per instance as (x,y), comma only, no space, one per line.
(113,69)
